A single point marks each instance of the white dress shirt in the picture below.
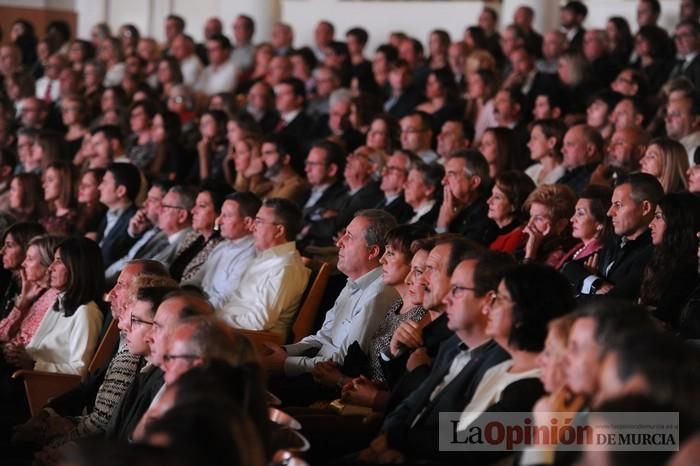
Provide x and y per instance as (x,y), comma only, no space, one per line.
(191,67)
(221,274)
(533,171)
(215,80)
(115,75)
(357,312)
(66,344)
(42,84)
(423,209)
(269,293)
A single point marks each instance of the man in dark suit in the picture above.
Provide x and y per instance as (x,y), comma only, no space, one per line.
(528,80)
(405,96)
(325,162)
(394,177)
(524,17)
(623,259)
(118,190)
(572,16)
(363,193)
(413,427)
(464,208)
(687,40)
(294,125)
(603,67)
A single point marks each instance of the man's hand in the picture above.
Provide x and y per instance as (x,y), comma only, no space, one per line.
(273,357)
(327,373)
(138,223)
(360,391)
(409,334)
(448,209)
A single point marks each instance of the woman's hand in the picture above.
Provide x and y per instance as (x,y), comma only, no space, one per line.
(18,356)
(534,240)
(29,293)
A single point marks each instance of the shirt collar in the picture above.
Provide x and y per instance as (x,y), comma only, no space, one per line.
(279,250)
(289,116)
(175,237)
(365,280)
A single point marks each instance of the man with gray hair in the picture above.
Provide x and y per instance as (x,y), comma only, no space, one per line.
(354,317)
(175,221)
(338,127)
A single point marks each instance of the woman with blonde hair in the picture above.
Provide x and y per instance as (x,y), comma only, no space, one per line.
(667,160)
(549,228)
(552,359)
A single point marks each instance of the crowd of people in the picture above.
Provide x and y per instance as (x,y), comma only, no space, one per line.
(513,220)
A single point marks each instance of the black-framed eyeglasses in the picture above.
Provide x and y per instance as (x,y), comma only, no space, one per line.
(168,358)
(457,291)
(136,320)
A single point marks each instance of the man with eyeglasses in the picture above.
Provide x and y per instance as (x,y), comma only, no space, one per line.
(175,221)
(413,426)
(154,330)
(394,177)
(269,293)
(417,135)
(143,227)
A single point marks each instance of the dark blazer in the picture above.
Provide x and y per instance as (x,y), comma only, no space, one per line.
(473,223)
(401,211)
(330,197)
(321,232)
(403,382)
(296,135)
(692,71)
(134,404)
(578,178)
(117,243)
(454,397)
(405,104)
(431,217)
(623,267)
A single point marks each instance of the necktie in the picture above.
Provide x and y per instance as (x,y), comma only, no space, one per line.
(47,94)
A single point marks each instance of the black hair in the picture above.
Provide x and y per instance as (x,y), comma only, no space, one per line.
(540,294)
(83,259)
(287,214)
(248,203)
(127,175)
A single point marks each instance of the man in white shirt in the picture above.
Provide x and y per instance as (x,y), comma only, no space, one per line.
(183,50)
(175,221)
(48,87)
(683,121)
(220,75)
(270,290)
(354,317)
(221,274)
(244,51)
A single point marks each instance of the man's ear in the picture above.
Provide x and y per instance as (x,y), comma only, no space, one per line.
(249,223)
(332,170)
(121,191)
(374,252)
(556,112)
(647,208)
(280,231)
(475,181)
(287,159)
